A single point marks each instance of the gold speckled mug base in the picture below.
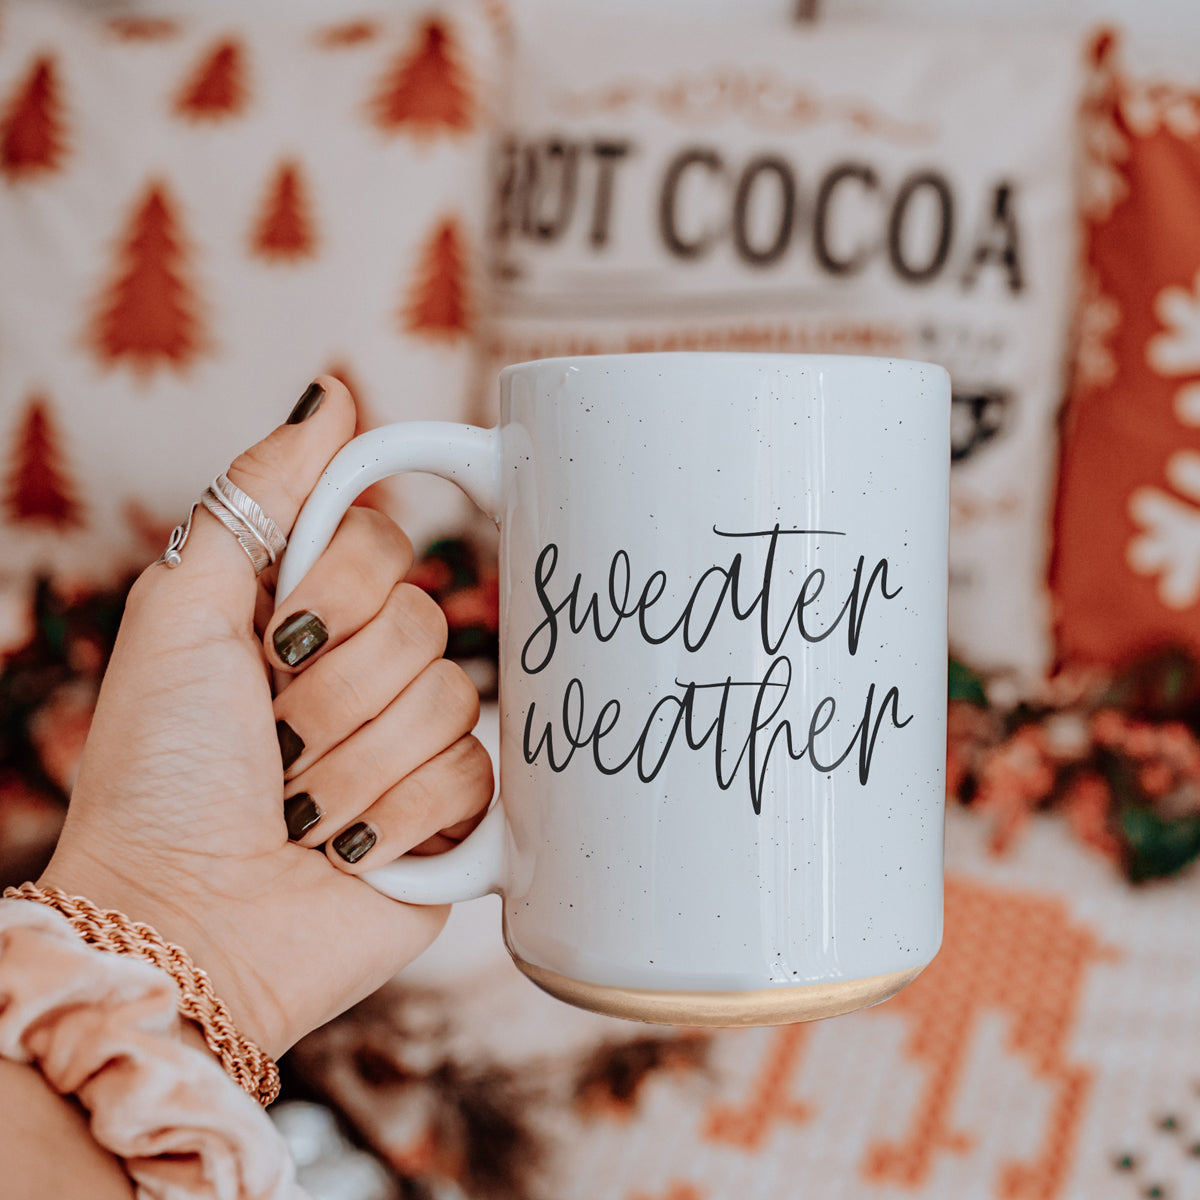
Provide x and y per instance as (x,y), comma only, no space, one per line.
(762,1006)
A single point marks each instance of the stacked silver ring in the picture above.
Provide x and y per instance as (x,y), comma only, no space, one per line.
(257,534)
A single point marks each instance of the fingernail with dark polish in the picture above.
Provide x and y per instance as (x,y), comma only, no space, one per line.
(302,634)
(301,814)
(354,842)
(307,404)
(291,745)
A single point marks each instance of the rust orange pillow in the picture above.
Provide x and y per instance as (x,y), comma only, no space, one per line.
(1126,568)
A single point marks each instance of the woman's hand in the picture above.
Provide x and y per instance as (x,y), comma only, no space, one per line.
(182,810)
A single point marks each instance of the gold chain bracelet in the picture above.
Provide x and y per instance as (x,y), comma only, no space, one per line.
(247,1063)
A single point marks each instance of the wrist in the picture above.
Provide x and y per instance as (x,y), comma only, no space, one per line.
(254,1017)
(46,1144)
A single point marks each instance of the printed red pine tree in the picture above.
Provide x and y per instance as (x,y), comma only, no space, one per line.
(499,17)
(142,29)
(38,487)
(148,316)
(285,230)
(148,527)
(438,303)
(33,139)
(348,33)
(426,91)
(218,87)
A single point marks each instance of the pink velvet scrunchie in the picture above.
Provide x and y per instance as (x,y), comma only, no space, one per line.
(105,1028)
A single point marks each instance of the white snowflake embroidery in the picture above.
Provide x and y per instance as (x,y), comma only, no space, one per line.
(1169,544)
(1176,351)
(1105,146)
(1187,404)
(1099,316)
(1148,107)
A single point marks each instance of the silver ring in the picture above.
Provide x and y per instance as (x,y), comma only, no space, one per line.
(247,508)
(172,556)
(257,534)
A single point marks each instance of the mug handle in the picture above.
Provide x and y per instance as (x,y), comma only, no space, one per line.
(469,457)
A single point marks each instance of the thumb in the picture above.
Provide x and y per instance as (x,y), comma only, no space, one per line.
(277,473)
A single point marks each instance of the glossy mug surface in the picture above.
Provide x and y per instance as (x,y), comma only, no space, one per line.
(722,676)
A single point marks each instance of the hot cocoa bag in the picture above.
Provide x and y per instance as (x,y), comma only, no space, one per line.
(838,189)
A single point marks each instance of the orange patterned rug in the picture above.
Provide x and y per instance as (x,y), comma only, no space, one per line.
(1046,1054)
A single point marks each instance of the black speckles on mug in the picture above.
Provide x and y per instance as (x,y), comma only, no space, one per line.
(648,462)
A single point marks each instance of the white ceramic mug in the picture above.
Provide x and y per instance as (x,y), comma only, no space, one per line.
(722,676)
